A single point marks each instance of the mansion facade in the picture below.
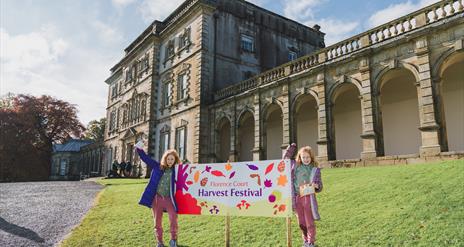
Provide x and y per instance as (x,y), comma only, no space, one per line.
(227,80)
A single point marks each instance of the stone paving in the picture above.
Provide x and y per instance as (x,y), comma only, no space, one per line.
(43,213)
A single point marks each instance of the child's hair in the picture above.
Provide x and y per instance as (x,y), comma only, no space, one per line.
(308,150)
(172,152)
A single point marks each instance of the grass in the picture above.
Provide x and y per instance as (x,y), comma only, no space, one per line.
(407,205)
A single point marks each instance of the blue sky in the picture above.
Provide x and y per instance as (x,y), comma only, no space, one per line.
(65,48)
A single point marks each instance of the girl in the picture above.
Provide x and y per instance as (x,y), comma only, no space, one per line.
(306,177)
(159,193)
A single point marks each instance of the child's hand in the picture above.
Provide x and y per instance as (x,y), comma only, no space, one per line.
(139,144)
(316,186)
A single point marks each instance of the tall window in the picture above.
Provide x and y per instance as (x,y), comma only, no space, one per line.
(114,91)
(167,92)
(247,43)
(181,142)
(164,145)
(182,86)
(184,38)
(143,64)
(169,49)
(143,110)
(112,124)
(63,167)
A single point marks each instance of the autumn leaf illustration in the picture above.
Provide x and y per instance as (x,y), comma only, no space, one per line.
(282,180)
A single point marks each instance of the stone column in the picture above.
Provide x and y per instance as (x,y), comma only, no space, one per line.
(429,128)
(322,141)
(368,134)
(257,150)
(233,155)
(286,117)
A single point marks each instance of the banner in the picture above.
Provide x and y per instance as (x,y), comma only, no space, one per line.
(258,188)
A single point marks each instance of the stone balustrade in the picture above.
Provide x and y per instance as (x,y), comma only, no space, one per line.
(400,26)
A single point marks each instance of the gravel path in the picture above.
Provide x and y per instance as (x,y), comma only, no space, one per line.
(42,213)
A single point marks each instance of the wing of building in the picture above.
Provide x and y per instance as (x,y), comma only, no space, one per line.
(227,80)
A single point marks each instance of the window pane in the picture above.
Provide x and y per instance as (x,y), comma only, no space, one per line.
(292,56)
(247,43)
(166,141)
(184,86)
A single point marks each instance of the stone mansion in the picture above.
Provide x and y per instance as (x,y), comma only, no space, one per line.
(226,80)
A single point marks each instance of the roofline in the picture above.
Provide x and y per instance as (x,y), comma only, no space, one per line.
(153,29)
(281,16)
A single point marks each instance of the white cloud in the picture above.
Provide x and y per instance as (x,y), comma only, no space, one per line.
(121,3)
(301,10)
(336,30)
(305,11)
(106,33)
(395,11)
(42,62)
(157,10)
(32,50)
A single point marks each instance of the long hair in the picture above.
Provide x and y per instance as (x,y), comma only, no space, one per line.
(164,163)
(309,150)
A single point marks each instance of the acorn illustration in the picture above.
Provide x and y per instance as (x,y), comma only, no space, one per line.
(204,181)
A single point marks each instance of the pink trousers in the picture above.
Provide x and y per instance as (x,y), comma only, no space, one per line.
(161,203)
(305,218)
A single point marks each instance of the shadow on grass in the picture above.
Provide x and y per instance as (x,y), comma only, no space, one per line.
(20,231)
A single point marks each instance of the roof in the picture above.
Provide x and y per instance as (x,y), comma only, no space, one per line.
(157,27)
(73,145)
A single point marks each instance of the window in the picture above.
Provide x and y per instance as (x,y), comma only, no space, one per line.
(112,124)
(117,118)
(164,142)
(143,110)
(292,56)
(124,117)
(129,74)
(184,39)
(143,64)
(167,92)
(114,91)
(63,167)
(247,43)
(169,49)
(182,86)
(181,142)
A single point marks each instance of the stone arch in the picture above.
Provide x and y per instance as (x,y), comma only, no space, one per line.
(221,116)
(437,67)
(345,120)
(394,64)
(396,93)
(449,85)
(244,111)
(304,122)
(270,103)
(245,141)
(272,119)
(223,130)
(340,82)
(303,93)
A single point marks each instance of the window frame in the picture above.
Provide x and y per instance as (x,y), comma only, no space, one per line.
(165,135)
(293,54)
(183,152)
(247,43)
(182,86)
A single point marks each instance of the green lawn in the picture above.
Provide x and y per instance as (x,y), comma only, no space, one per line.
(407,205)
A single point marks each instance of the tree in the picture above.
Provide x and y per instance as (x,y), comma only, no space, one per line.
(28,130)
(96,130)
(6,101)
